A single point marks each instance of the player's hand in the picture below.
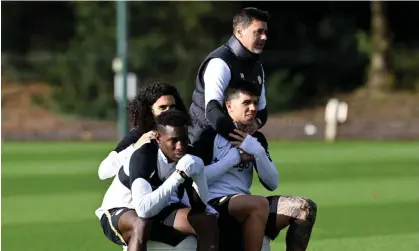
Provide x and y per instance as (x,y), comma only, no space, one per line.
(245,157)
(239,136)
(145,138)
(189,165)
(252,127)
(249,128)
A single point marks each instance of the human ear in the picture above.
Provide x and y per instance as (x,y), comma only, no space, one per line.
(158,137)
(228,106)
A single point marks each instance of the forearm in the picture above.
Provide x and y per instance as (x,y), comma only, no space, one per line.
(265,167)
(219,120)
(216,170)
(197,192)
(201,187)
(267,172)
(149,203)
(217,77)
(108,166)
(111,164)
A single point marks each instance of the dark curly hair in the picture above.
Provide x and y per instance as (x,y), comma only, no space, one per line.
(139,110)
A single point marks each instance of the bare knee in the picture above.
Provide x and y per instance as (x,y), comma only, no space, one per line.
(249,206)
(261,207)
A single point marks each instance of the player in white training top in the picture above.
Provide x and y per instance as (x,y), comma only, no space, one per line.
(230,181)
(161,186)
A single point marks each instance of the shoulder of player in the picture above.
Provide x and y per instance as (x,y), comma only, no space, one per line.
(148,149)
(217,63)
(206,139)
(144,160)
(129,138)
(207,135)
(202,148)
(192,150)
(132,136)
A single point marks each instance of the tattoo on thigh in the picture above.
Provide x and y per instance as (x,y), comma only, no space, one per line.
(297,207)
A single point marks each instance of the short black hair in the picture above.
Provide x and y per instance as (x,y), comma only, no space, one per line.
(173,117)
(139,110)
(241,86)
(246,16)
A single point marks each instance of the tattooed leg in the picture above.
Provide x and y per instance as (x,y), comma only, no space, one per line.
(300,214)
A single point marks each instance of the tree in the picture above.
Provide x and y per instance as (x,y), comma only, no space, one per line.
(380,75)
(167,41)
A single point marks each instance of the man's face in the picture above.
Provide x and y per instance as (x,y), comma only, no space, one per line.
(254,36)
(162,104)
(242,108)
(173,141)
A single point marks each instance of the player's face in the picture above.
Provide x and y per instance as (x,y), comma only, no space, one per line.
(254,36)
(162,104)
(173,141)
(243,108)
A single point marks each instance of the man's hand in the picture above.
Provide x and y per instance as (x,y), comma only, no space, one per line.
(249,128)
(145,138)
(245,157)
(240,136)
(190,165)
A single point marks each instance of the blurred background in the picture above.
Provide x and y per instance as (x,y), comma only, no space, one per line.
(58,82)
(59,114)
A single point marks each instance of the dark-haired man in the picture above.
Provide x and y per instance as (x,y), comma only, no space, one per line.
(237,59)
(229,180)
(161,186)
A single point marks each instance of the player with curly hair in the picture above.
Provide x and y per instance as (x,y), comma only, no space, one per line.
(150,101)
(160,193)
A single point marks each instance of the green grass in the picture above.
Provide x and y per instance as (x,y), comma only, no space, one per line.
(367,194)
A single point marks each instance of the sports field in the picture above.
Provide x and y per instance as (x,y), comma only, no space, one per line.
(367,194)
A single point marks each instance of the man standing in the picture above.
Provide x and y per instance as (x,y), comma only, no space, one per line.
(237,59)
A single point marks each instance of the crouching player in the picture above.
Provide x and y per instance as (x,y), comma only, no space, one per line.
(229,170)
(160,193)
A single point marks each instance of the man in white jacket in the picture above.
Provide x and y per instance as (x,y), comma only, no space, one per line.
(229,180)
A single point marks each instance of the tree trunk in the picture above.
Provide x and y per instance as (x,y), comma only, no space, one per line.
(380,75)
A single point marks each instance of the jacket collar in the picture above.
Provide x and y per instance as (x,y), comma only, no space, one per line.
(240,51)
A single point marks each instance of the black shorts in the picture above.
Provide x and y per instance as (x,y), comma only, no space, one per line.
(221,205)
(161,229)
(230,231)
